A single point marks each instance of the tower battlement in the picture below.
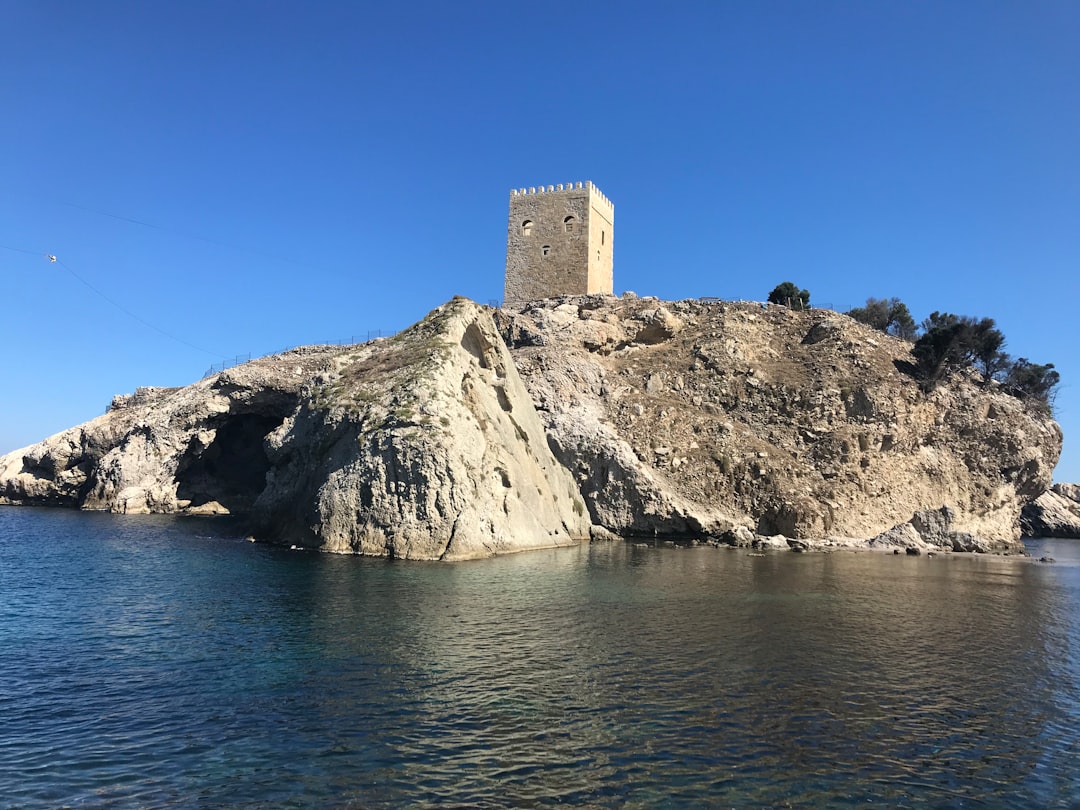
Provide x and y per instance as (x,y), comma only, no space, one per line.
(564,187)
(559,242)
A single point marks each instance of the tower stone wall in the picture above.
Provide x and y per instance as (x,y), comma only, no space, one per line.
(559,242)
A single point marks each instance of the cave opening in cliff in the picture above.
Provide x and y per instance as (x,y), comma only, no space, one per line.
(232,469)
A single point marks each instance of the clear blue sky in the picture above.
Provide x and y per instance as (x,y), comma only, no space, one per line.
(246,176)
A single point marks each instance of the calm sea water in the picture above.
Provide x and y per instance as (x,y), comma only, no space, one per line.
(155,662)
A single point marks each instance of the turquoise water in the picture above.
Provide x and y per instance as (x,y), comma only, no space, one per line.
(156,662)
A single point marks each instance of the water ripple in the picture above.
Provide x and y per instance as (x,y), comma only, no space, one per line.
(151,662)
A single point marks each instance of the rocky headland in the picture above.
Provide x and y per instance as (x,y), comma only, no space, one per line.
(1055,513)
(481,431)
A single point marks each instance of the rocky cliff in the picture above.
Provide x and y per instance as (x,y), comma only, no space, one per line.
(469,435)
(730,419)
(1055,513)
(423,446)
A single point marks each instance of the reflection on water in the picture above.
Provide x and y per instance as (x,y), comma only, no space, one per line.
(151,664)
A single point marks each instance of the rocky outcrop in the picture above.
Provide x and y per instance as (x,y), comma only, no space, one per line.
(466,436)
(1055,513)
(931,528)
(197,449)
(701,417)
(426,446)
(423,446)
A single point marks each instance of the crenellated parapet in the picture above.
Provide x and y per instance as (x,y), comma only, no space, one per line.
(548,189)
(553,189)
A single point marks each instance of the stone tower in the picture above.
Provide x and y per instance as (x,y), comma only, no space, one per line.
(558,242)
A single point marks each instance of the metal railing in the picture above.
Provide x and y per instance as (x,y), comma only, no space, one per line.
(240,359)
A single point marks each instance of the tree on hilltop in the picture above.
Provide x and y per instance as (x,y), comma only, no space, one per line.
(790,296)
(937,353)
(952,342)
(1029,380)
(889,315)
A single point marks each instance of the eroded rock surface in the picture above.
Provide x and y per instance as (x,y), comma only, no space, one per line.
(1055,513)
(706,416)
(466,436)
(197,449)
(424,446)
(931,528)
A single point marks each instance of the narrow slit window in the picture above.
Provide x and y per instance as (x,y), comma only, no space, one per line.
(545,250)
(603,236)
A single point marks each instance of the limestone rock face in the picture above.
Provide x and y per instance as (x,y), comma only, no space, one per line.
(196,449)
(562,419)
(424,446)
(707,416)
(932,528)
(1055,513)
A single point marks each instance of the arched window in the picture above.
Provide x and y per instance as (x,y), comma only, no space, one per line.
(526,227)
(545,250)
(569,223)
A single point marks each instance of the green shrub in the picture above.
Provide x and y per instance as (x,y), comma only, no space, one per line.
(790,296)
(952,342)
(888,315)
(1032,381)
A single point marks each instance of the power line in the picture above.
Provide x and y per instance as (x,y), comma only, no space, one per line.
(184,234)
(128,312)
(163,228)
(20,250)
(54,260)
